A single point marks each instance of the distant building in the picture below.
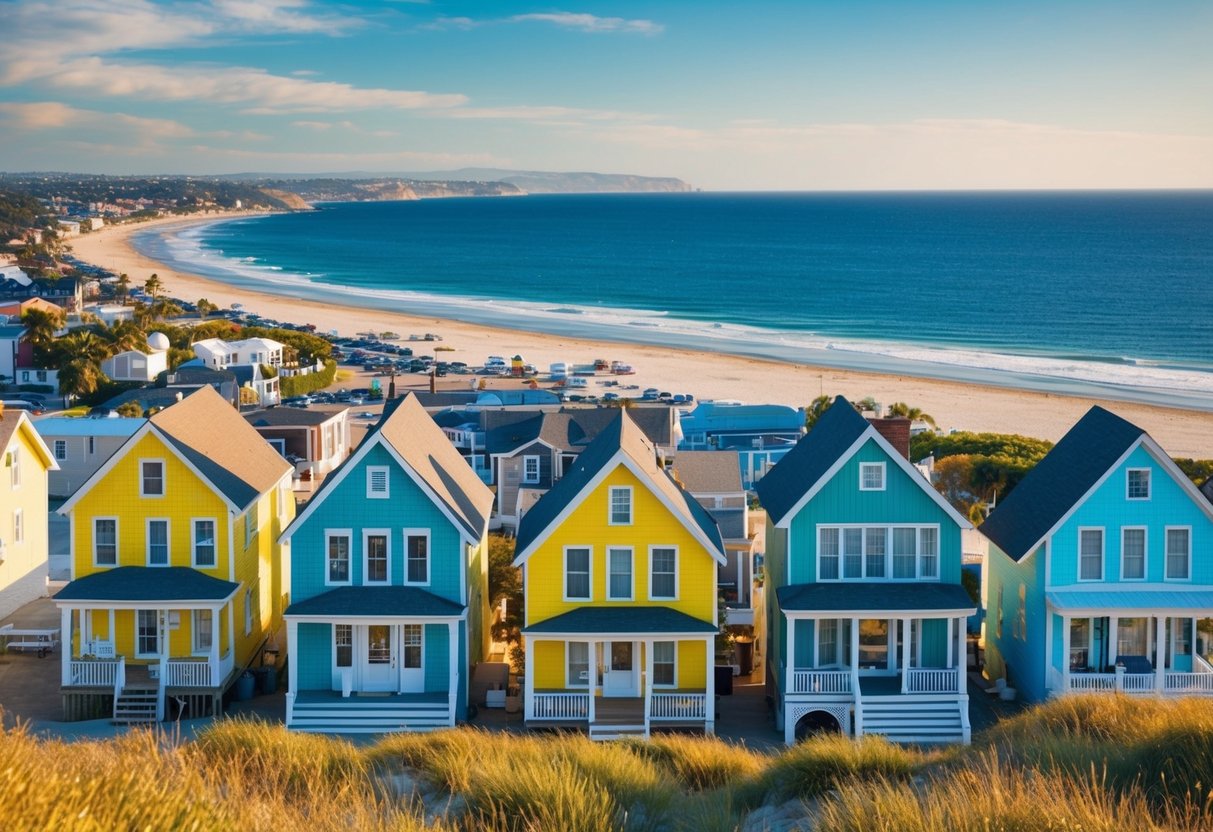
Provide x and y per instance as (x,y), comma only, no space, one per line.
(17,308)
(264,387)
(80,447)
(220,354)
(69,228)
(760,433)
(135,365)
(314,441)
(23,527)
(112,313)
(11,336)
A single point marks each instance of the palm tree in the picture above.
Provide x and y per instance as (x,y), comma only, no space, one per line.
(79,377)
(82,345)
(40,327)
(165,308)
(124,286)
(205,307)
(816,410)
(122,336)
(914,414)
(153,286)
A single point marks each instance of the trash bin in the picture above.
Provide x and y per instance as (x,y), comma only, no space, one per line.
(245,684)
(724,680)
(745,656)
(267,679)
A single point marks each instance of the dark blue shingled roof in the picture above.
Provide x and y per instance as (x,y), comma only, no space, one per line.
(894,596)
(624,619)
(376,601)
(1059,481)
(836,431)
(148,583)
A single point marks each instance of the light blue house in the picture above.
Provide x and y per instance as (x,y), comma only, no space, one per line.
(388,577)
(1101,570)
(866,623)
(762,434)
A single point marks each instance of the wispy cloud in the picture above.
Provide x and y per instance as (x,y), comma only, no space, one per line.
(53,115)
(348,126)
(578,21)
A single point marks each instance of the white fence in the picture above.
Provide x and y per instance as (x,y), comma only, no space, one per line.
(931,680)
(821,681)
(560,706)
(678,706)
(92,673)
(1188,683)
(1088,682)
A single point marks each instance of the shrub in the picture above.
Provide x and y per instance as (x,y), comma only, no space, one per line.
(298,385)
(819,764)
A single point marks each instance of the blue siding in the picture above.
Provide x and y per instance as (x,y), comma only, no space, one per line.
(315,659)
(1018,656)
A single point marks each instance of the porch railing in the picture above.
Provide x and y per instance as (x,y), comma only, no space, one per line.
(1138,683)
(1092,681)
(821,681)
(92,673)
(931,680)
(561,706)
(679,706)
(1188,683)
(197,673)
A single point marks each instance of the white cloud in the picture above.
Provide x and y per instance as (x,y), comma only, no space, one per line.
(53,115)
(565,20)
(280,16)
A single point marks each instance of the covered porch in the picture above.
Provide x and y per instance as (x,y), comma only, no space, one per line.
(620,671)
(1134,642)
(886,658)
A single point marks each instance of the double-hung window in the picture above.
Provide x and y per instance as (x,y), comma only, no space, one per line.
(203,542)
(852,553)
(157,542)
(619,574)
(1179,553)
(928,552)
(60,449)
(899,553)
(204,630)
(530,470)
(577,573)
(827,642)
(151,478)
(663,583)
(1137,484)
(871,476)
(417,556)
(1090,554)
(105,541)
(377,487)
(874,552)
(578,675)
(621,506)
(827,555)
(1133,553)
(147,633)
(905,554)
(337,556)
(18,526)
(377,564)
(343,644)
(664,656)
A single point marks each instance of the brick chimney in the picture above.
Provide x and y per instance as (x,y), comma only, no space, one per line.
(896,429)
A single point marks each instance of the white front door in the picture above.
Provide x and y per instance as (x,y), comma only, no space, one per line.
(620,677)
(379,658)
(412,659)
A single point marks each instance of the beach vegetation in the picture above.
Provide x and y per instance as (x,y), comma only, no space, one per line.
(205,307)
(816,409)
(130,408)
(123,285)
(914,414)
(153,286)
(298,385)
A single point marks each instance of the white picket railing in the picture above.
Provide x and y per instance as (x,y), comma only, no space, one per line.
(187,673)
(931,680)
(679,706)
(92,673)
(560,706)
(1087,682)
(1188,683)
(821,681)
(1138,682)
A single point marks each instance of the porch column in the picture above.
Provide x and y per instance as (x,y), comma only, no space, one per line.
(962,655)
(790,663)
(951,642)
(65,649)
(593,688)
(231,628)
(905,654)
(214,651)
(648,681)
(855,677)
(453,685)
(292,648)
(1160,669)
(1065,653)
(1113,625)
(111,633)
(528,678)
(709,699)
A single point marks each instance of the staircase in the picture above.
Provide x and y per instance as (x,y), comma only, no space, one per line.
(617,730)
(916,719)
(369,715)
(135,706)
(615,719)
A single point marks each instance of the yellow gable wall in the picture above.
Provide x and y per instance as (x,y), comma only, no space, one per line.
(652,525)
(21,559)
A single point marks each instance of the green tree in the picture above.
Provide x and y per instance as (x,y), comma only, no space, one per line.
(40,327)
(153,286)
(124,287)
(866,405)
(122,336)
(131,408)
(505,584)
(205,307)
(914,414)
(816,410)
(164,308)
(79,377)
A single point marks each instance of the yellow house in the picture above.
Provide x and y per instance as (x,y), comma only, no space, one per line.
(177,576)
(619,572)
(23,533)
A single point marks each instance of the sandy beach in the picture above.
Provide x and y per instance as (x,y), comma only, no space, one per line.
(706,375)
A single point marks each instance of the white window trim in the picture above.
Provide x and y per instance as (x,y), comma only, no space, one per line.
(429,559)
(526,480)
(1103,555)
(60,443)
(366,535)
(1145,552)
(421,659)
(117,546)
(18,526)
(214,521)
(631,596)
(337,668)
(677,574)
(662,685)
(1149,484)
(163,478)
(147,542)
(194,616)
(1165,556)
(564,575)
(159,636)
(611,505)
(569,682)
(883,473)
(248,611)
(387,482)
(888,552)
(348,534)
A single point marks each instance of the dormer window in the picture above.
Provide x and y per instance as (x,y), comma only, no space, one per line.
(871,476)
(621,506)
(1138,484)
(151,478)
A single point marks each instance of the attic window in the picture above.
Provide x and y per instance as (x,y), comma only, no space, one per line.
(151,478)
(871,476)
(1138,485)
(377,482)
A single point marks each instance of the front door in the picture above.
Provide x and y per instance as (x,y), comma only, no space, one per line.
(379,658)
(412,672)
(874,646)
(620,678)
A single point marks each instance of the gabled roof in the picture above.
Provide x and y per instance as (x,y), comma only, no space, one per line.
(209,436)
(708,472)
(622,442)
(426,455)
(623,619)
(291,417)
(834,439)
(1066,476)
(570,428)
(148,583)
(12,421)
(376,601)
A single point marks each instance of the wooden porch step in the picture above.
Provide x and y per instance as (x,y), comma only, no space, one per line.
(612,731)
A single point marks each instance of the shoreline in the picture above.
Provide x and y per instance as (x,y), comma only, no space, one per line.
(954,404)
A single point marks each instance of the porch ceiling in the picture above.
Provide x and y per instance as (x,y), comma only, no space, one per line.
(876,597)
(629,620)
(376,602)
(156,584)
(1104,602)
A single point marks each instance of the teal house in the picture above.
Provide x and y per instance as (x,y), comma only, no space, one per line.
(866,613)
(1101,571)
(388,577)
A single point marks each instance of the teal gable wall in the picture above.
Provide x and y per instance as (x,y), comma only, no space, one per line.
(1017,654)
(1108,508)
(347,507)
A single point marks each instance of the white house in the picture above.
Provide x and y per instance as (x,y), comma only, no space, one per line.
(80,447)
(112,313)
(68,228)
(219,354)
(134,365)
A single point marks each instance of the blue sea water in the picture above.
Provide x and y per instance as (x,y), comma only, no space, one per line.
(1102,292)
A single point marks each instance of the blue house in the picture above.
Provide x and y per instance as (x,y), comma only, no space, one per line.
(866,620)
(388,584)
(1101,570)
(762,434)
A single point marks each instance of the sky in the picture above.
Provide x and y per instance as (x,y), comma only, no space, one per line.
(807,95)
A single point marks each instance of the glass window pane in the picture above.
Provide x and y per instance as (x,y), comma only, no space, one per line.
(343,638)
(1091,554)
(577,574)
(1134,554)
(852,553)
(874,540)
(1177,553)
(904,553)
(339,558)
(663,662)
(828,554)
(579,664)
(664,583)
(376,558)
(418,559)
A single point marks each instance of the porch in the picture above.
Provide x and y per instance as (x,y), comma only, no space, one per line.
(1142,651)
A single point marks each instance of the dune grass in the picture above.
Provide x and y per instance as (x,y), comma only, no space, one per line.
(1102,763)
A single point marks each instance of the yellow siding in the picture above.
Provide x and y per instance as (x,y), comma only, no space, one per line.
(23,559)
(653,525)
(692,670)
(549,665)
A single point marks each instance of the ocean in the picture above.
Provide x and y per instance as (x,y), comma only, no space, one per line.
(1098,293)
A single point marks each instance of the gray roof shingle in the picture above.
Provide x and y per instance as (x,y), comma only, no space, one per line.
(148,583)
(891,596)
